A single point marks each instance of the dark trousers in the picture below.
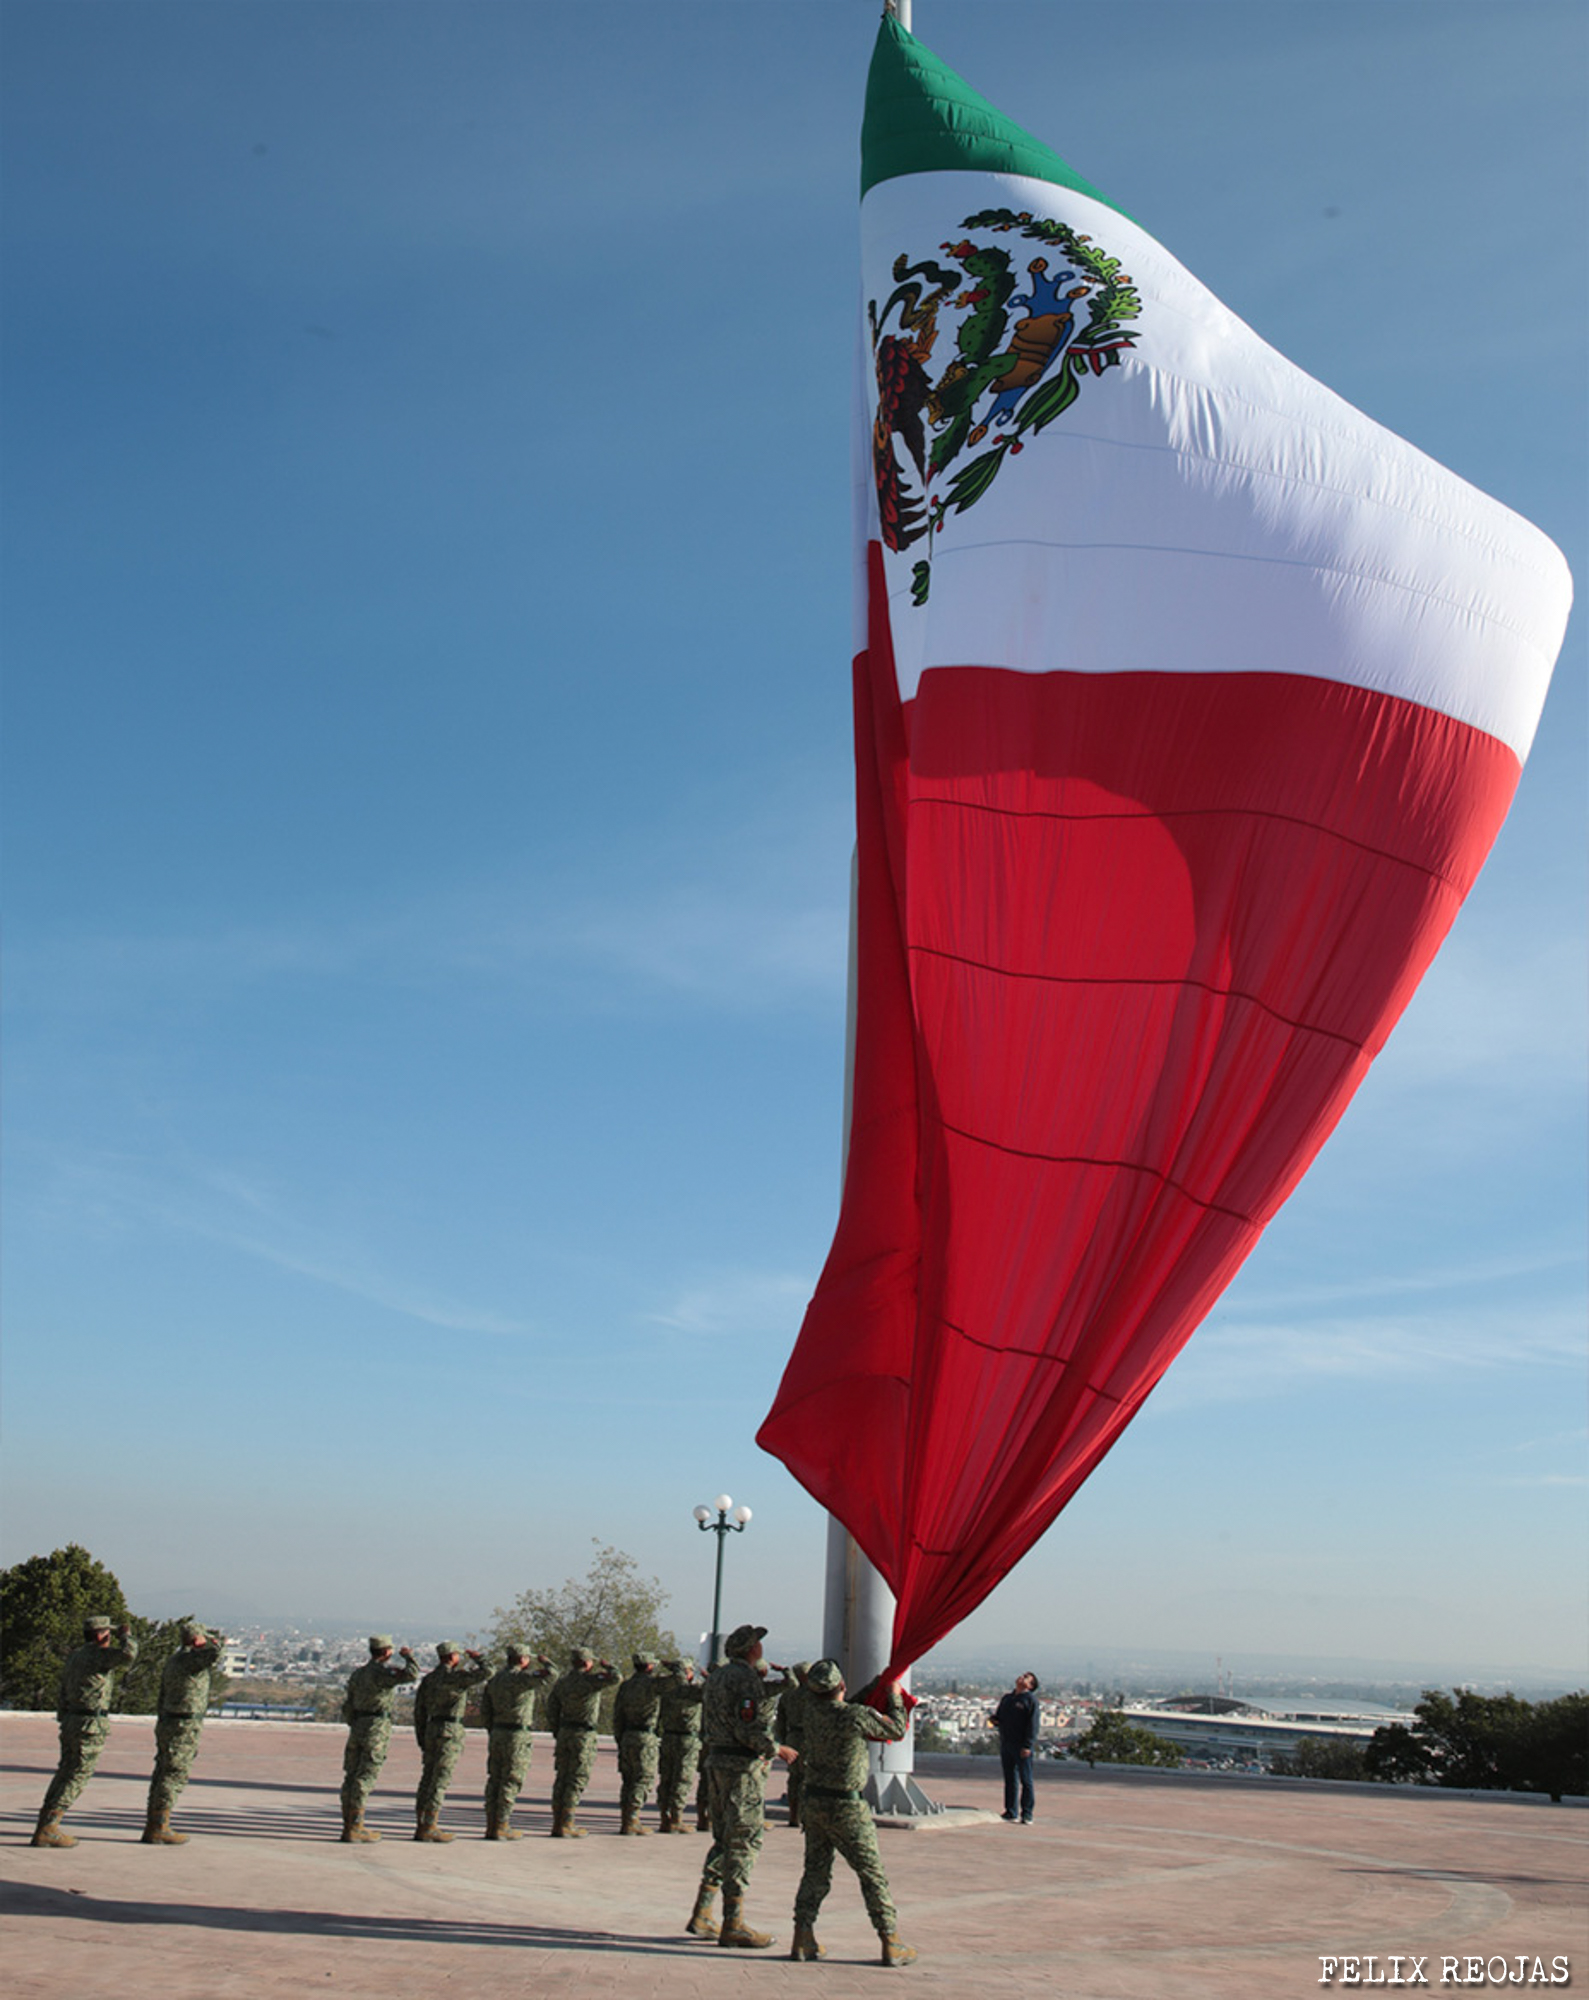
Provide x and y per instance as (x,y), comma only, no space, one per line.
(1016,1767)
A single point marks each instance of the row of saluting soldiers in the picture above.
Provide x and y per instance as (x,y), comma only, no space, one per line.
(721,1733)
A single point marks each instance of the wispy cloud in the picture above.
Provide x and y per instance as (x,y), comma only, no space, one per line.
(1459,1278)
(1493,1013)
(222,1206)
(1227,1363)
(755,919)
(746,1303)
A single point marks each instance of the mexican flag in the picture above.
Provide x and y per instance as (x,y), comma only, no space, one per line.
(1188,704)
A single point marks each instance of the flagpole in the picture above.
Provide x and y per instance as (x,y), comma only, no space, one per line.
(858,1606)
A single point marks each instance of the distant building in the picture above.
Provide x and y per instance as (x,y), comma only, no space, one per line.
(1220,1729)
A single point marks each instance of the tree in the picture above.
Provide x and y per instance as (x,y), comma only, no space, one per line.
(1321,1757)
(1556,1747)
(43,1603)
(1480,1742)
(612,1610)
(1113,1740)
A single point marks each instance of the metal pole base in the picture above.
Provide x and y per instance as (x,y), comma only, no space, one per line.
(896,1795)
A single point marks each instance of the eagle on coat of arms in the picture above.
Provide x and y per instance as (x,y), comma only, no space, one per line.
(1019,361)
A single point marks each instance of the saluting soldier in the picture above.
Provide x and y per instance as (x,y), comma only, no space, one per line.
(184,1697)
(790,1727)
(439,1703)
(679,1719)
(571,1716)
(736,1718)
(82,1709)
(507,1708)
(367,1708)
(634,1726)
(833,1806)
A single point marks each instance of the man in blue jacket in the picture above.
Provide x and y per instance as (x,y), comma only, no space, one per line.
(1016,1719)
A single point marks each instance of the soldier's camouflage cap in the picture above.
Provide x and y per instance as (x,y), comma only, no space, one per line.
(380,1642)
(97,1624)
(644,1662)
(581,1656)
(742,1638)
(445,1648)
(191,1630)
(826,1677)
(673,1666)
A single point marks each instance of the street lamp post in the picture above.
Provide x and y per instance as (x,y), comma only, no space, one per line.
(721,1527)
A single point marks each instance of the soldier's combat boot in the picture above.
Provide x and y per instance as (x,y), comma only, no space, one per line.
(499,1829)
(429,1830)
(563,1828)
(48,1832)
(157,1832)
(701,1923)
(895,1951)
(354,1829)
(736,1931)
(630,1823)
(805,1943)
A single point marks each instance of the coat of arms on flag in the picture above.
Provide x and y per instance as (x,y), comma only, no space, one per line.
(1019,360)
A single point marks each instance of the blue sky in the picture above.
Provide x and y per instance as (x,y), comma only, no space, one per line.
(428,806)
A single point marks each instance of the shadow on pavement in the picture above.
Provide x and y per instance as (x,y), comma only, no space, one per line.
(245,1824)
(28,1899)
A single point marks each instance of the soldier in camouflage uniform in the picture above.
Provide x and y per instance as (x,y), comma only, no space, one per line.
(634,1726)
(82,1710)
(507,1708)
(367,1710)
(571,1716)
(439,1703)
(790,1727)
(736,1718)
(680,1721)
(833,1802)
(184,1696)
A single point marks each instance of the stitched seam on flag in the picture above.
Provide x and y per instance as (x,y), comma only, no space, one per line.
(1028,1353)
(1072,979)
(1359,576)
(1182,812)
(1089,1160)
(1455,530)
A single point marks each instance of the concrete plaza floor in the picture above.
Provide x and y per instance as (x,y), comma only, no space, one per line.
(1129,1886)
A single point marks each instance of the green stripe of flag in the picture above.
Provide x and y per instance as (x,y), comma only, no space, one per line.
(921,119)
